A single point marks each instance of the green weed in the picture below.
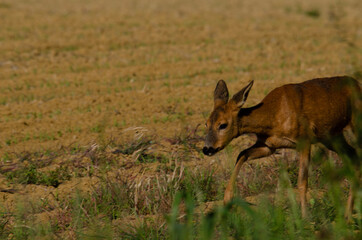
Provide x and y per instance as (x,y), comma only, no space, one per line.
(145,231)
(30,175)
(313,13)
(113,199)
(133,146)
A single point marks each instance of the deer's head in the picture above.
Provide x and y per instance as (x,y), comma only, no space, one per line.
(222,125)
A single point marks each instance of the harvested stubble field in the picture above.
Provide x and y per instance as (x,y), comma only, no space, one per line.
(103,104)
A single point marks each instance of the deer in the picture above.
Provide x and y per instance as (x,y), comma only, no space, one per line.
(292,116)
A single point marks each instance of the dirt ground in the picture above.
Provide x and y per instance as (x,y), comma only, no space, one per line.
(78,73)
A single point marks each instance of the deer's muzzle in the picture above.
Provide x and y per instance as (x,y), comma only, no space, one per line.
(209,151)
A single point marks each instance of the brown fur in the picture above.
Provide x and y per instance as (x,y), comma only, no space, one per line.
(312,111)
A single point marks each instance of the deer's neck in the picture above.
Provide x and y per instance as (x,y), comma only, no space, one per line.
(256,119)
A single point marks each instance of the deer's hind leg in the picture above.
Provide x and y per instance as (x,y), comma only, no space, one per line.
(355,184)
(350,159)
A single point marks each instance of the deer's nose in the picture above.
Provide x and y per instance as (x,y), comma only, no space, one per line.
(209,151)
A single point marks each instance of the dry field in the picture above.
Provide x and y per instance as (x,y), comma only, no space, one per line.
(98,92)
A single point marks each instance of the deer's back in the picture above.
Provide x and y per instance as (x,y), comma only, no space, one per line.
(318,107)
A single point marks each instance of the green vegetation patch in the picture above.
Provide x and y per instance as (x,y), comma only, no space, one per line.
(313,13)
(31,175)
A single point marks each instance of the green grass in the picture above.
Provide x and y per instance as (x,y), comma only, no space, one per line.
(313,13)
(30,175)
(169,205)
(239,220)
(201,185)
(280,219)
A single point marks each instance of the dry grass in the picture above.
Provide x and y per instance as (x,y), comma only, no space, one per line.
(115,95)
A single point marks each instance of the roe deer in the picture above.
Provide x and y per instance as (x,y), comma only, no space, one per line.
(313,111)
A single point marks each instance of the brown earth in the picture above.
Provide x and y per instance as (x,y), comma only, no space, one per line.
(79,73)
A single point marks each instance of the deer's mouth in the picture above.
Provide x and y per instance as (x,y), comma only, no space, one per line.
(209,151)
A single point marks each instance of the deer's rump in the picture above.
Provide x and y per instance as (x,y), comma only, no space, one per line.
(317,108)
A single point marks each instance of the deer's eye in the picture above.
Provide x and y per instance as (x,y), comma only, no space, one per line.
(223,126)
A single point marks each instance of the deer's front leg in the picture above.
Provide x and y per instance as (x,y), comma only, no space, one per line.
(303,178)
(258,150)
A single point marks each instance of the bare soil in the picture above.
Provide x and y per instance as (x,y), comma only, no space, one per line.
(79,75)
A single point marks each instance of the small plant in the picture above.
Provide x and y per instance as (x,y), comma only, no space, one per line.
(150,158)
(133,146)
(139,149)
(98,128)
(145,230)
(256,179)
(188,137)
(201,184)
(313,13)
(4,223)
(30,175)
(112,198)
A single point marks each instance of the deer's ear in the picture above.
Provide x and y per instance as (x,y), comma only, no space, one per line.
(221,94)
(240,97)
